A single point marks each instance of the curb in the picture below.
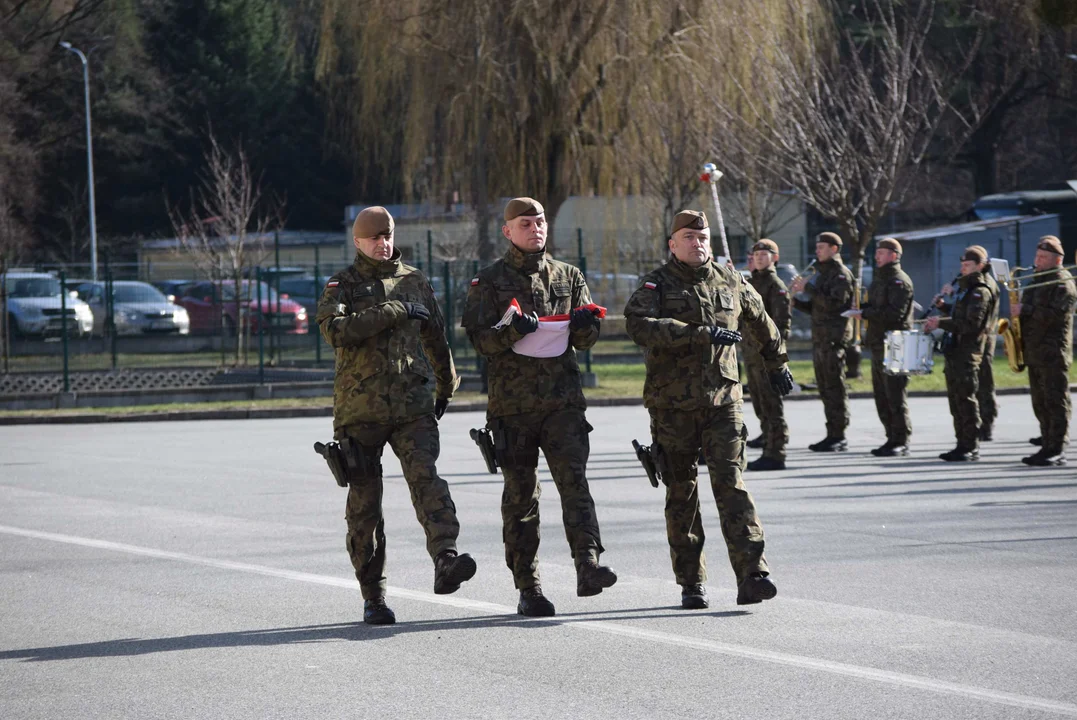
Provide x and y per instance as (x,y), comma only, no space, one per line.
(278,413)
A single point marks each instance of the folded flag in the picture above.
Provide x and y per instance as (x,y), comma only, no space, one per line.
(551,338)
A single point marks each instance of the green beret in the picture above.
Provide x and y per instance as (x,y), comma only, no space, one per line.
(373,221)
(689,219)
(522,206)
(890,244)
(766,244)
(1051,244)
(829,238)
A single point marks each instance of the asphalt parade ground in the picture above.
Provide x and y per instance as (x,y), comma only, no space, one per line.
(198,570)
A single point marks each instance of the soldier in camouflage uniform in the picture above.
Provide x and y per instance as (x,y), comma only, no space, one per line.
(889,307)
(829,295)
(1046,315)
(537,403)
(682,315)
(767,403)
(383,320)
(973,306)
(985,396)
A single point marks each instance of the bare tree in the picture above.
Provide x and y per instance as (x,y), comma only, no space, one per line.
(226,225)
(846,112)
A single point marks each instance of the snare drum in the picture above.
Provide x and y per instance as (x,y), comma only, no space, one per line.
(908,352)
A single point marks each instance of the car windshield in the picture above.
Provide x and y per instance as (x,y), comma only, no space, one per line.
(36,287)
(994,213)
(138,294)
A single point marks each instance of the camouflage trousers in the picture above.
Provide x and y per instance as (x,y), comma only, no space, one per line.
(828,358)
(770,409)
(962,371)
(416,443)
(1052,404)
(563,438)
(891,399)
(720,432)
(985,396)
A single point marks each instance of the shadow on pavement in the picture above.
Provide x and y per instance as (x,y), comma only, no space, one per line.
(354,631)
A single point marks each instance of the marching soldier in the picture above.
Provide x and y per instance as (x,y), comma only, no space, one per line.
(682,315)
(750,357)
(830,295)
(889,307)
(537,403)
(381,316)
(986,394)
(1046,314)
(973,306)
(767,403)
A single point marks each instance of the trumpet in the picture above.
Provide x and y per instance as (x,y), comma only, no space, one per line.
(1010,328)
(806,274)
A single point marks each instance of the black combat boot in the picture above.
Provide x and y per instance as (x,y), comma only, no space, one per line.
(376,612)
(534,604)
(960,454)
(756,588)
(450,570)
(756,443)
(830,444)
(891,449)
(1035,441)
(766,463)
(592,578)
(1045,459)
(694,597)
(987,433)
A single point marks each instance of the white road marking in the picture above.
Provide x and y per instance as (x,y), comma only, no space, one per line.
(608,628)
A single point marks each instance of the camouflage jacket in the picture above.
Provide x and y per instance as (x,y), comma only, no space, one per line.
(518,383)
(889,305)
(669,316)
(1047,321)
(776,302)
(992,283)
(830,293)
(383,360)
(970,315)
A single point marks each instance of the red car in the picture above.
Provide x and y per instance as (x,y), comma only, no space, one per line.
(210,305)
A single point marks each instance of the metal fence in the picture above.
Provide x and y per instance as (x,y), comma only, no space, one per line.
(61,320)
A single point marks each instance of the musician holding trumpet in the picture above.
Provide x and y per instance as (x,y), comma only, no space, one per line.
(1046,312)
(889,307)
(971,314)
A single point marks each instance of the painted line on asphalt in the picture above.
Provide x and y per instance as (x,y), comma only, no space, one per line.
(609,628)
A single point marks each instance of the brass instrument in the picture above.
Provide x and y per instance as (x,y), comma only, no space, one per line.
(805,274)
(1010,328)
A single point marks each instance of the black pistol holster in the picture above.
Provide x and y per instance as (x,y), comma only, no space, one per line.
(648,456)
(484,439)
(349,461)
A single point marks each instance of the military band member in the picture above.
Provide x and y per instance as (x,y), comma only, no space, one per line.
(683,315)
(985,396)
(537,403)
(889,307)
(829,295)
(1046,315)
(971,312)
(382,318)
(767,402)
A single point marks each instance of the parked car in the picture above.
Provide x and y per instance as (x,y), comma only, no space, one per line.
(304,290)
(137,308)
(172,289)
(34,303)
(212,308)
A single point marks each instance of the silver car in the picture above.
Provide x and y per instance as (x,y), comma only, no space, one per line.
(137,307)
(34,306)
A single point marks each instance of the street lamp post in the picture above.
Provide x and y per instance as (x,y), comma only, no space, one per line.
(89,155)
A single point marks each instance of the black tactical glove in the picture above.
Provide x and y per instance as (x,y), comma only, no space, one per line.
(722,336)
(582,319)
(416,311)
(782,381)
(525,324)
(439,407)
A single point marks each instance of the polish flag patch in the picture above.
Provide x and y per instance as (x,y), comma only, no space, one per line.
(333,283)
(474,282)
(781,292)
(650,285)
